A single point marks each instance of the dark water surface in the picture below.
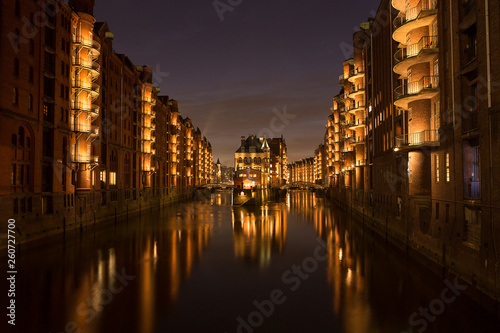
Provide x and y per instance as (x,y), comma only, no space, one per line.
(294,266)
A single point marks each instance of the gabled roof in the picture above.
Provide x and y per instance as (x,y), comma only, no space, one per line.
(253,142)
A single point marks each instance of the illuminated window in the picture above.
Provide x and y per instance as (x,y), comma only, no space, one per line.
(437,168)
(112,178)
(447,164)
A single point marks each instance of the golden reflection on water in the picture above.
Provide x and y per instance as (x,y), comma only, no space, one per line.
(258,232)
(345,273)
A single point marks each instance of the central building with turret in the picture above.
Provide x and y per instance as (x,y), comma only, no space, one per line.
(254,154)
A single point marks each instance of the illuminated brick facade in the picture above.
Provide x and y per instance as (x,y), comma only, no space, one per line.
(412,141)
(86,134)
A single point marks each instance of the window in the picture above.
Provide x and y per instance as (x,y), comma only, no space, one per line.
(13,174)
(447,165)
(112,178)
(62,115)
(14,140)
(16,67)
(14,96)
(30,102)
(437,210)
(31,75)
(21,137)
(32,47)
(436,119)
(437,168)
(103,176)
(62,90)
(17,39)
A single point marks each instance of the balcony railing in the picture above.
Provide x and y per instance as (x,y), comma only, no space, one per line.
(356,88)
(356,71)
(85,128)
(86,85)
(414,88)
(87,42)
(356,105)
(87,64)
(417,139)
(413,50)
(472,189)
(413,13)
(86,107)
(84,158)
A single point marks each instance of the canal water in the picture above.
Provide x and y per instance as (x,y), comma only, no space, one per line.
(299,265)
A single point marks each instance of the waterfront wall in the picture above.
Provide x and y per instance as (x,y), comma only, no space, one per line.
(435,250)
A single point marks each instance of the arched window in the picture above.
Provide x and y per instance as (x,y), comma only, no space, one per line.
(239,160)
(31,75)
(21,136)
(30,102)
(16,67)
(14,140)
(259,160)
(32,20)
(255,160)
(28,142)
(14,96)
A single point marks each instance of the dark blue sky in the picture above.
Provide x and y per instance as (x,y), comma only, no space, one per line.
(229,75)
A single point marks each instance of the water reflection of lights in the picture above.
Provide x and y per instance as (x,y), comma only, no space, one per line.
(348,279)
(257,233)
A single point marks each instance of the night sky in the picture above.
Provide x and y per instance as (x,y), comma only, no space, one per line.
(229,76)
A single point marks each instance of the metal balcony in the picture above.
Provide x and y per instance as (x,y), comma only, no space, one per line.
(416,140)
(425,88)
(423,51)
(413,18)
(356,73)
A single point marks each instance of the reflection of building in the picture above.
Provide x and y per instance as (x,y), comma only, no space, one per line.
(258,233)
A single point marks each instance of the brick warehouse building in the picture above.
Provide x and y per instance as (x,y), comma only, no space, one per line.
(412,140)
(86,133)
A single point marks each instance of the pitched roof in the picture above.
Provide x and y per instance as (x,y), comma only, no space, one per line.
(253,142)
